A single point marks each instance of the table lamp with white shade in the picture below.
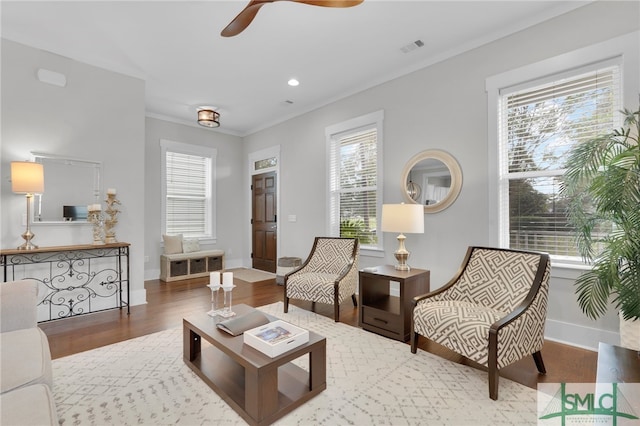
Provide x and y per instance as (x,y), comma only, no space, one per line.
(27,178)
(402,218)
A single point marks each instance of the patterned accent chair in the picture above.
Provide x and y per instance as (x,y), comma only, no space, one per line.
(329,275)
(492,312)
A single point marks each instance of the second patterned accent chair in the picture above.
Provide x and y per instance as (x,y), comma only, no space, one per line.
(329,275)
(492,312)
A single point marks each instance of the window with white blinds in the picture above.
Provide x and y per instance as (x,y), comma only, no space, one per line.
(188,190)
(538,126)
(354,193)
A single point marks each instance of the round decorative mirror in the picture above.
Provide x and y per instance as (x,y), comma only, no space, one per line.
(432,178)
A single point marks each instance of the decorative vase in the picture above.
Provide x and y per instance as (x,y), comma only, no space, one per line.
(630,333)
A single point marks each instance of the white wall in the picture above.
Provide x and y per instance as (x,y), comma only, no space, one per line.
(229,189)
(99,115)
(443,106)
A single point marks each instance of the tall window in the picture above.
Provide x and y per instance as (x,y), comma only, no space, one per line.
(188,189)
(355,149)
(539,123)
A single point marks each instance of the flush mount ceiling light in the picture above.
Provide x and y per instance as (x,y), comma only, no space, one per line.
(293,82)
(208,118)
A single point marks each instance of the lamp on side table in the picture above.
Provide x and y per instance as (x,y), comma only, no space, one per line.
(402,218)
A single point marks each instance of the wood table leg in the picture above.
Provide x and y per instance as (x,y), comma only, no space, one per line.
(318,366)
(191,344)
(261,392)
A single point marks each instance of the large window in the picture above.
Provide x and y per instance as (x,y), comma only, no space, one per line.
(355,153)
(539,123)
(188,190)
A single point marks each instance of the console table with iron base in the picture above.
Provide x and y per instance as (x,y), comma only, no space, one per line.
(73,280)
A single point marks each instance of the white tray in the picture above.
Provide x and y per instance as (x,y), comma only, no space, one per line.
(276,338)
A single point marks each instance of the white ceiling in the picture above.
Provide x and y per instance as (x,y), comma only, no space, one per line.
(176,47)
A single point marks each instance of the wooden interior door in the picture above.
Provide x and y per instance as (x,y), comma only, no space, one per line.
(264,228)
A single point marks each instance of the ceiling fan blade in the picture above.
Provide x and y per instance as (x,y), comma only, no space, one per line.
(246,15)
(244,18)
(330,3)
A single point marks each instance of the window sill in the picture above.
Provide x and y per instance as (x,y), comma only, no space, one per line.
(201,240)
(371,252)
(567,270)
(207,240)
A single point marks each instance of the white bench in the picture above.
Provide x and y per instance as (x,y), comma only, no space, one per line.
(183,266)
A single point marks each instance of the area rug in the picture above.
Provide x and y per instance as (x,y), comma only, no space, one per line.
(371,380)
(252,275)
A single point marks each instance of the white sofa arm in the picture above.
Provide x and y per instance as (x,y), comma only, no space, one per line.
(18,301)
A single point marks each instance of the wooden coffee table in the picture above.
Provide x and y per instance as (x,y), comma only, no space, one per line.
(259,388)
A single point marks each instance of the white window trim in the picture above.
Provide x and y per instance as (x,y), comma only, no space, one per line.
(376,119)
(623,48)
(172,146)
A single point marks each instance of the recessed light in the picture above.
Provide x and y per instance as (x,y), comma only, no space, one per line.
(293,82)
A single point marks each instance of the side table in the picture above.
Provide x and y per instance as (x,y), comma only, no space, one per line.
(383,313)
(617,364)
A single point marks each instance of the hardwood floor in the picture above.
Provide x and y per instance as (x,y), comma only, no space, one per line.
(168,303)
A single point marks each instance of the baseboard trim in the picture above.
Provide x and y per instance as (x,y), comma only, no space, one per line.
(234,263)
(138,297)
(151,274)
(579,335)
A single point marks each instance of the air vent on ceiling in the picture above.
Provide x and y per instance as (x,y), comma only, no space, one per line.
(412,46)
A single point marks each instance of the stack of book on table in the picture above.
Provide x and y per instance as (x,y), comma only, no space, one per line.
(272,338)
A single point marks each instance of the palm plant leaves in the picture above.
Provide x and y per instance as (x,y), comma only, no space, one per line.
(605,173)
(628,301)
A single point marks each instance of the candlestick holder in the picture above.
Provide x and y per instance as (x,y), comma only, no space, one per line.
(111,220)
(94,216)
(226,309)
(215,300)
